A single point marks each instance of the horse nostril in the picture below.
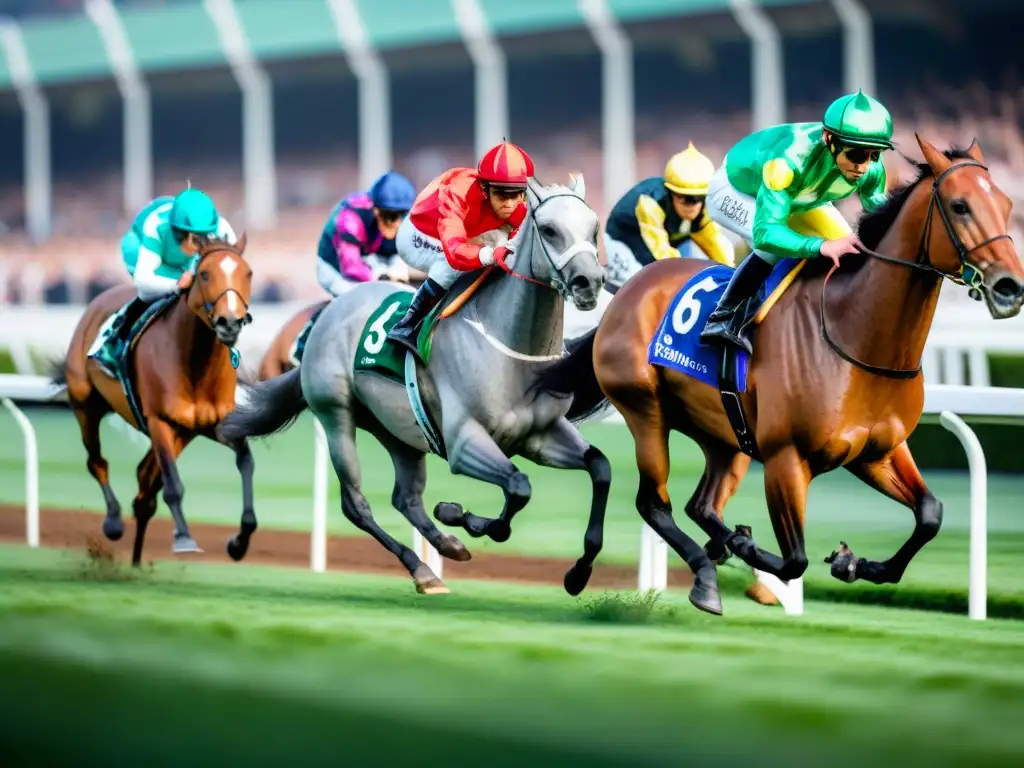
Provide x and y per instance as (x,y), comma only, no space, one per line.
(579,283)
(220,322)
(1007,287)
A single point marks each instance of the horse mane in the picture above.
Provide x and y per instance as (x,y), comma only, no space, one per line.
(872,227)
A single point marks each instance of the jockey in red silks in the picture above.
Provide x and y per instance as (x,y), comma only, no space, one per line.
(441,235)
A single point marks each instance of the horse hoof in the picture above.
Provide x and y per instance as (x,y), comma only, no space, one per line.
(436,587)
(454,549)
(760,594)
(844,563)
(113,528)
(499,531)
(576,578)
(704,594)
(449,513)
(237,547)
(184,545)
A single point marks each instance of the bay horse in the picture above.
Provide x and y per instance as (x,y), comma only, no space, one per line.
(476,386)
(834,381)
(182,371)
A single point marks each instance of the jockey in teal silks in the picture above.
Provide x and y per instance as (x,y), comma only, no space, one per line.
(160,246)
(776,189)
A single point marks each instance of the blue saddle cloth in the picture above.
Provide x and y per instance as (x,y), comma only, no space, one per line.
(677,343)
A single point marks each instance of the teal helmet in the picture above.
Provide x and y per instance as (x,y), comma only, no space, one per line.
(194,211)
(858,120)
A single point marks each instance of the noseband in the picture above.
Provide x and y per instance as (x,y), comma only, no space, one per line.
(209,306)
(968,274)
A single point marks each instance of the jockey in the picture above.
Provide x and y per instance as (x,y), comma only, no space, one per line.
(361,225)
(441,235)
(161,246)
(776,188)
(658,215)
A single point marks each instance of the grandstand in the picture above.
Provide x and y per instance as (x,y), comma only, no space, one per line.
(691,79)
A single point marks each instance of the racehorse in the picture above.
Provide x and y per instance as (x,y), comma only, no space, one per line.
(278,357)
(182,370)
(476,386)
(834,380)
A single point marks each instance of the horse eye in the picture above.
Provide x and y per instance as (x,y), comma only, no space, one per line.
(960,207)
(548,231)
(204,276)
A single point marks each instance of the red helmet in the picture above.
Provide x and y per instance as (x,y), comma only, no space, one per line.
(505,165)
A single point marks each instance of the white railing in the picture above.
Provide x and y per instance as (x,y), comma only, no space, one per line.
(951,405)
(962,334)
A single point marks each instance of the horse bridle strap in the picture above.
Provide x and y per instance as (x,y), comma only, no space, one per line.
(921,263)
(209,306)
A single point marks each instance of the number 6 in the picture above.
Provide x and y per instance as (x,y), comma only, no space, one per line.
(689,304)
(375,336)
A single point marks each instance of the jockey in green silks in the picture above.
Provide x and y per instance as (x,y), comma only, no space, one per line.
(776,190)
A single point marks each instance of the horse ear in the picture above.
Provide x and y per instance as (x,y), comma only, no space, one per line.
(533,187)
(242,242)
(975,152)
(579,186)
(937,161)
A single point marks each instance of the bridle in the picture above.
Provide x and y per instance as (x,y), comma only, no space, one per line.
(968,274)
(209,306)
(557,263)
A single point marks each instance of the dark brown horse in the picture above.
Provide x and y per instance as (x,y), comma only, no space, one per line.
(181,366)
(834,380)
(277,359)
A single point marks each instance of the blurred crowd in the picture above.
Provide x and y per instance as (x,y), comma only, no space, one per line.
(82,258)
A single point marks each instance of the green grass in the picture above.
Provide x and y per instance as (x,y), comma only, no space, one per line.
(193,664)
(840,507)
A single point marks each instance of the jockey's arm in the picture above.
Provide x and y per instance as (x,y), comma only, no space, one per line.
(871,190)
(709,237)
(458,250)
(150,284)
(651,218)
(350,258)
(771,229)
(225,231)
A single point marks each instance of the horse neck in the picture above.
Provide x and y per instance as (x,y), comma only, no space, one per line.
(523,315)
(887,309)
(200,354)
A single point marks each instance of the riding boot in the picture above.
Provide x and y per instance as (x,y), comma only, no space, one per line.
(726,323)
(129,317)
(406,330)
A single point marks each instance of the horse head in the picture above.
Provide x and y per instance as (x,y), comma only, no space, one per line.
(560,237)
(973,241)
(219,288)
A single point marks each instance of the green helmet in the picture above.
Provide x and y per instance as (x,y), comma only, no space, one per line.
(194,211)
(859,120)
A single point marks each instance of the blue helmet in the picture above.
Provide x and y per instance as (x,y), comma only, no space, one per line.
(393,192)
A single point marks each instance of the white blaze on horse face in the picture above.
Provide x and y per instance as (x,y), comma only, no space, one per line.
(986,187)
(228,265)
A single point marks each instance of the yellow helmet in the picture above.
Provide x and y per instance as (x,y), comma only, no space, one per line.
(689,172)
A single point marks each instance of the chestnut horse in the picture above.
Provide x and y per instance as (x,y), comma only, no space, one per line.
(277,359)
(181,367)
(834,380)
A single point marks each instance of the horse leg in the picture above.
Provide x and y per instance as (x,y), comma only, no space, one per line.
(407,495)
(650,439)
(475,454)
(724,471)
(786,478)
(238,544)
(340,429)
(898,477)
(562,447)
(89,414)
(144,505)
(168,444)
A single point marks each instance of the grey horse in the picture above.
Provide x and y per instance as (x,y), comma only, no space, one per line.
(479,387)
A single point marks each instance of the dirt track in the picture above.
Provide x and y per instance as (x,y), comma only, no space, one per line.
(70,529)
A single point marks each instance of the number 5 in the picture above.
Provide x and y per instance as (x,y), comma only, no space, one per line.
(690,306)
(375,336)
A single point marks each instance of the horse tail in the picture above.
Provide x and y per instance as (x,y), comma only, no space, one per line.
(573,374)
(272,406)
(57,370)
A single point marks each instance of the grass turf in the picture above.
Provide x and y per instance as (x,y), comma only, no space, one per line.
(839,506)
(200,664)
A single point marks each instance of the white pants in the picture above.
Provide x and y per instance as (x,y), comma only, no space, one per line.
(425,253)
(331,280)
(622,264)
(734,210)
